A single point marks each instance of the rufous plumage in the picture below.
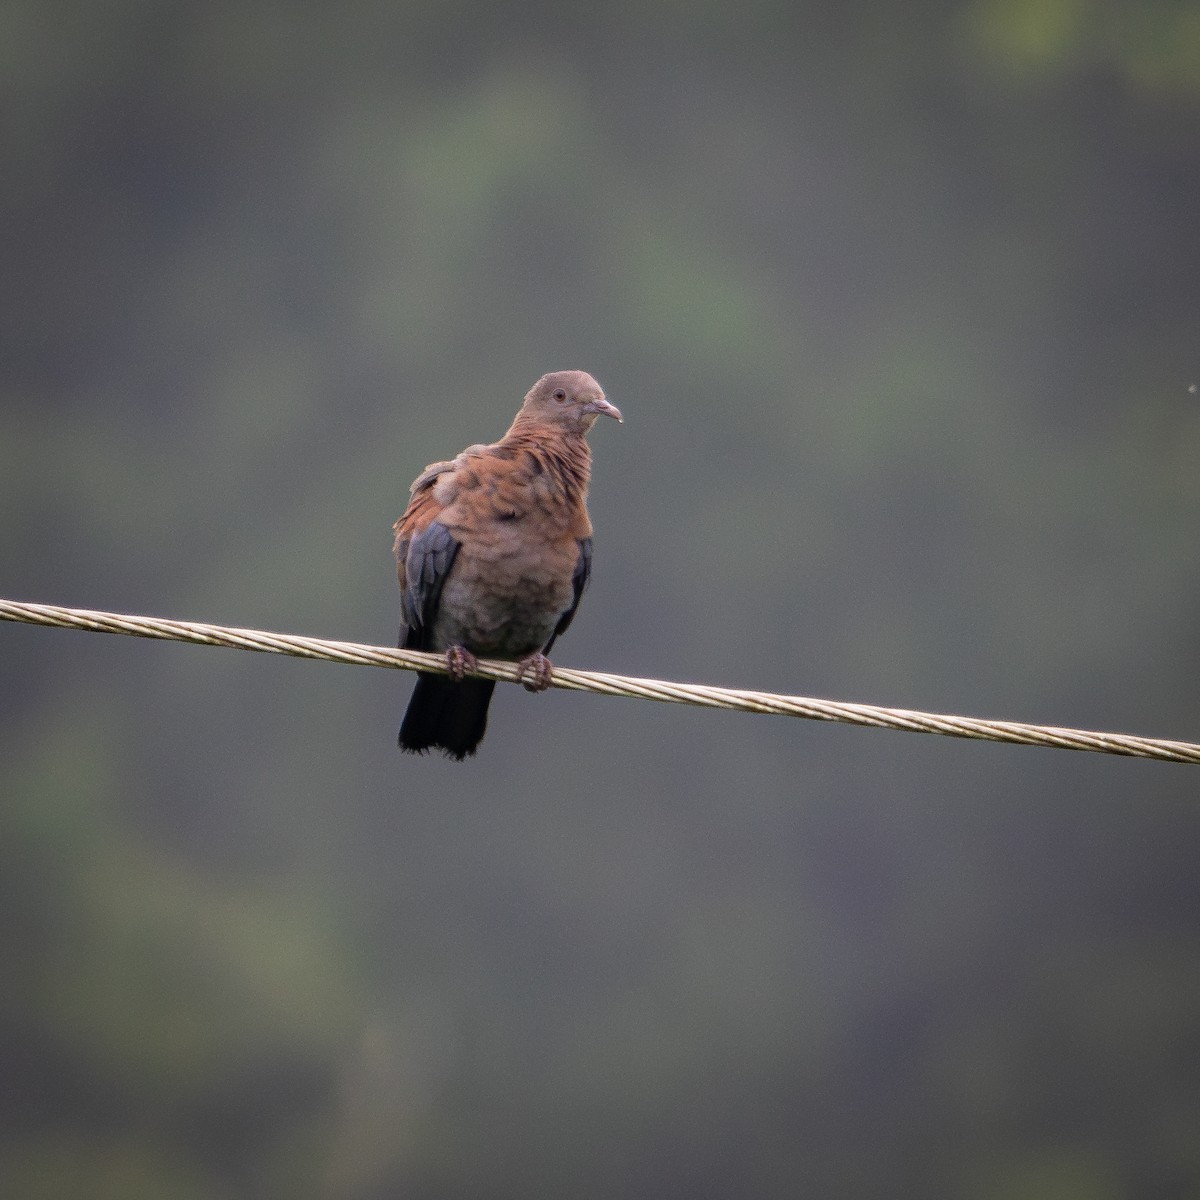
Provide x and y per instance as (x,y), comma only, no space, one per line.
(492,554)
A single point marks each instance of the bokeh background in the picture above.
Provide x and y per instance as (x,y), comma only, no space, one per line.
(901,304)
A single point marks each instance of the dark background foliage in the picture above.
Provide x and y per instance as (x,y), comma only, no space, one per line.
(901,305)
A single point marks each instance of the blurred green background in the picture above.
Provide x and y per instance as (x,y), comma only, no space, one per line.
(901,304)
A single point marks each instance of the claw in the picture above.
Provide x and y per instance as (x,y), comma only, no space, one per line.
(460,660)
(538,666)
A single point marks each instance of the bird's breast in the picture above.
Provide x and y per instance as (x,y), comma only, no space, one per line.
(504,596)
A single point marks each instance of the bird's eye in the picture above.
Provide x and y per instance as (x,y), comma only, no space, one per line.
(559,394)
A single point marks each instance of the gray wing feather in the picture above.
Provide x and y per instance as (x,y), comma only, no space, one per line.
(579,580)
(427,562)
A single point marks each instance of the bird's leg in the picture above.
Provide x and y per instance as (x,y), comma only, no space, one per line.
(538,667)
(460,660)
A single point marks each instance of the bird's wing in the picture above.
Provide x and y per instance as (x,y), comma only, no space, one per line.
(430,557)
(579,580)
(425,551)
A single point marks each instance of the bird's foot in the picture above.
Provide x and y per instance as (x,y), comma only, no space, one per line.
(538,667)
(460,660)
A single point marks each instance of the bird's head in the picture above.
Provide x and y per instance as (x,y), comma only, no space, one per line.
(571,400)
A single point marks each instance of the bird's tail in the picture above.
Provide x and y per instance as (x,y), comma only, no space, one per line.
(446,716)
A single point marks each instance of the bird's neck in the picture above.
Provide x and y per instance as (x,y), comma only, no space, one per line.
(566,455)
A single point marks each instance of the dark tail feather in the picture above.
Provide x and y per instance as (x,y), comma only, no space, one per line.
(446,716)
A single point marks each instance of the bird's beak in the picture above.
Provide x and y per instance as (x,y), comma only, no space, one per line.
(602,407)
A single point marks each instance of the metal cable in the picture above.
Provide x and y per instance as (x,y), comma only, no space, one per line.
(605,684)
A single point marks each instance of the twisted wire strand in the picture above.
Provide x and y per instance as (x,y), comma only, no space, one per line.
(602,683)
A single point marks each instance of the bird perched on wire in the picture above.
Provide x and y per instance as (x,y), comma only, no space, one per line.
(493,553)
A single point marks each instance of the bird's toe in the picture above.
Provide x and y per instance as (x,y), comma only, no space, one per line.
(459,660)
(535,672)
